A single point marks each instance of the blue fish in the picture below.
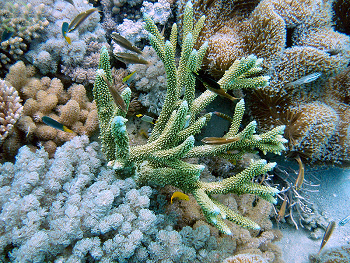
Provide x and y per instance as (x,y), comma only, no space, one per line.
(305,79)
(55,124)
(64,32)
(344,220)
(6,35)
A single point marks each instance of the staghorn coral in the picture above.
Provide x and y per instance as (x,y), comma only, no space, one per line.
(243,240)
(26,22)
(10,109)
(159,160)
(48,97)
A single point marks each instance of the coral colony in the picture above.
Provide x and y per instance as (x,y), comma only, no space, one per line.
(149,188)
(159,161)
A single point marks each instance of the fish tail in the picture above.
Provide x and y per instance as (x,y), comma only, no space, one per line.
(69,41)
(66,129)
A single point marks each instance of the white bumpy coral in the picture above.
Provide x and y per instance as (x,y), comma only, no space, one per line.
(10,109)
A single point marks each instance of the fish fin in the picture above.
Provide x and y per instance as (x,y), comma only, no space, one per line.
(69,41)
(66,129)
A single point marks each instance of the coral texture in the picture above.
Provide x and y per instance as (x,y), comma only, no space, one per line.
(26,22)
(334,255)
(150,80)
(47,97)
(73,209)
(245,258)
(79,59)
(296,39)
(10,109)
(159,161)
(159,12)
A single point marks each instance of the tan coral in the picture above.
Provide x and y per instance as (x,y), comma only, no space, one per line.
(47,97)
(296,39)
(245,258)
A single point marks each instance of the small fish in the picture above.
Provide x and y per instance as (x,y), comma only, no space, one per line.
(76,22)
(305,79)
(219,140)
(327,235)
(6,35)
(144,133)
(123,42)
(70,1)
(282,211)
(333,52)
(179,195)
(118,100)
(212,85)
(263,179)
(300,178)
(55,124)
(64,32)
(223,116)
(344,220)
(127,80)
(130,58)
(146,118)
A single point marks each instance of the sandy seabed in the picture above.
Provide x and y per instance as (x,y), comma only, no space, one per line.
(333,198)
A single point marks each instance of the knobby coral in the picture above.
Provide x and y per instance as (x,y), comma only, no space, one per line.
(47,97)
(160,160)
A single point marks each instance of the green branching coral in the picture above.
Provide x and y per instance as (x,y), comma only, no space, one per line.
(160,160)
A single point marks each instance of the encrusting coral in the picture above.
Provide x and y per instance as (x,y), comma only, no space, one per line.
(10,109)
(159,161)
(47,97)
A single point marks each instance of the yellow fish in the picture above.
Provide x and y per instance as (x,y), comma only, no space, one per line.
(80,19)
(118,100)
(146,118)
(212,85)
(300,178)
(219,140)
(123,42)
(130,58)
(127,80)
(179,195)
(327,235)
(282,211)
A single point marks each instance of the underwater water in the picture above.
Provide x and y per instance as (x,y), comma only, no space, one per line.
(175,131)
